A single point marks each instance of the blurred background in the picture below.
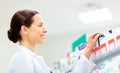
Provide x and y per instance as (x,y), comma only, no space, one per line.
(65,21)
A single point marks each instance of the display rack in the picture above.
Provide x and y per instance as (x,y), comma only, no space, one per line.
(107,55)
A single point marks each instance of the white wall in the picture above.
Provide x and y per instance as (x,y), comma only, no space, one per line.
(6,50)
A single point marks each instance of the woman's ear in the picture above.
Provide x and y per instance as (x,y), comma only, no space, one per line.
(24,30)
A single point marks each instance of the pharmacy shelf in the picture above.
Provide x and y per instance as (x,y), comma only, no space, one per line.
(107,56)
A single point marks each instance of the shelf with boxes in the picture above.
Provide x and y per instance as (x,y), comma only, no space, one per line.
(107,55)
(107,49)
(108,62)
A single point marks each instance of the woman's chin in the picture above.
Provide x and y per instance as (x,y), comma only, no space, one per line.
(41,42)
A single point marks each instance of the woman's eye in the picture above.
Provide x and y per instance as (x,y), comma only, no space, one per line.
(40,25)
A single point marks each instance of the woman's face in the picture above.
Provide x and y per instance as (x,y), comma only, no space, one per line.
(36,32)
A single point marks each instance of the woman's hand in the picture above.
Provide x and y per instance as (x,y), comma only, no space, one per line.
(91,44)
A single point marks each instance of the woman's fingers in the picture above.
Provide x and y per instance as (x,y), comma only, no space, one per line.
(93,38)
(91,44)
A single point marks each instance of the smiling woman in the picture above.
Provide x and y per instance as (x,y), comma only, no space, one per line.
(27,28)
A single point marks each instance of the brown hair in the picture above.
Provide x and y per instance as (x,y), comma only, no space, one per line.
(21,17)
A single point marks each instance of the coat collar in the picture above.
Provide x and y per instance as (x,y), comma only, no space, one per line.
(25,49)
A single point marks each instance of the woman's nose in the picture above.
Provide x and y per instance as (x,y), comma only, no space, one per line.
(44,30)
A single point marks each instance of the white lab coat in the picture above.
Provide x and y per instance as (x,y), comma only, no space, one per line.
(26,61)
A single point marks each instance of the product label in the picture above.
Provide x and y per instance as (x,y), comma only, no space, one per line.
(111,44)
(100,50)
(118,41)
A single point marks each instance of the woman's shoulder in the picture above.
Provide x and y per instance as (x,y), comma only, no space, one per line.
(21,63)
(20,57)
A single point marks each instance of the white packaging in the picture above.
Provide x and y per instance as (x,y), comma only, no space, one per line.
(117,38)
(110,40)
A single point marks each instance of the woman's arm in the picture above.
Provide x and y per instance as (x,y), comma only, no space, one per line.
(85,65)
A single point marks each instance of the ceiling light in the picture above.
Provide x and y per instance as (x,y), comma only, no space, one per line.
(96,15)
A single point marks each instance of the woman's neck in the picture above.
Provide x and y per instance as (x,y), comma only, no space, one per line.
(28,45)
